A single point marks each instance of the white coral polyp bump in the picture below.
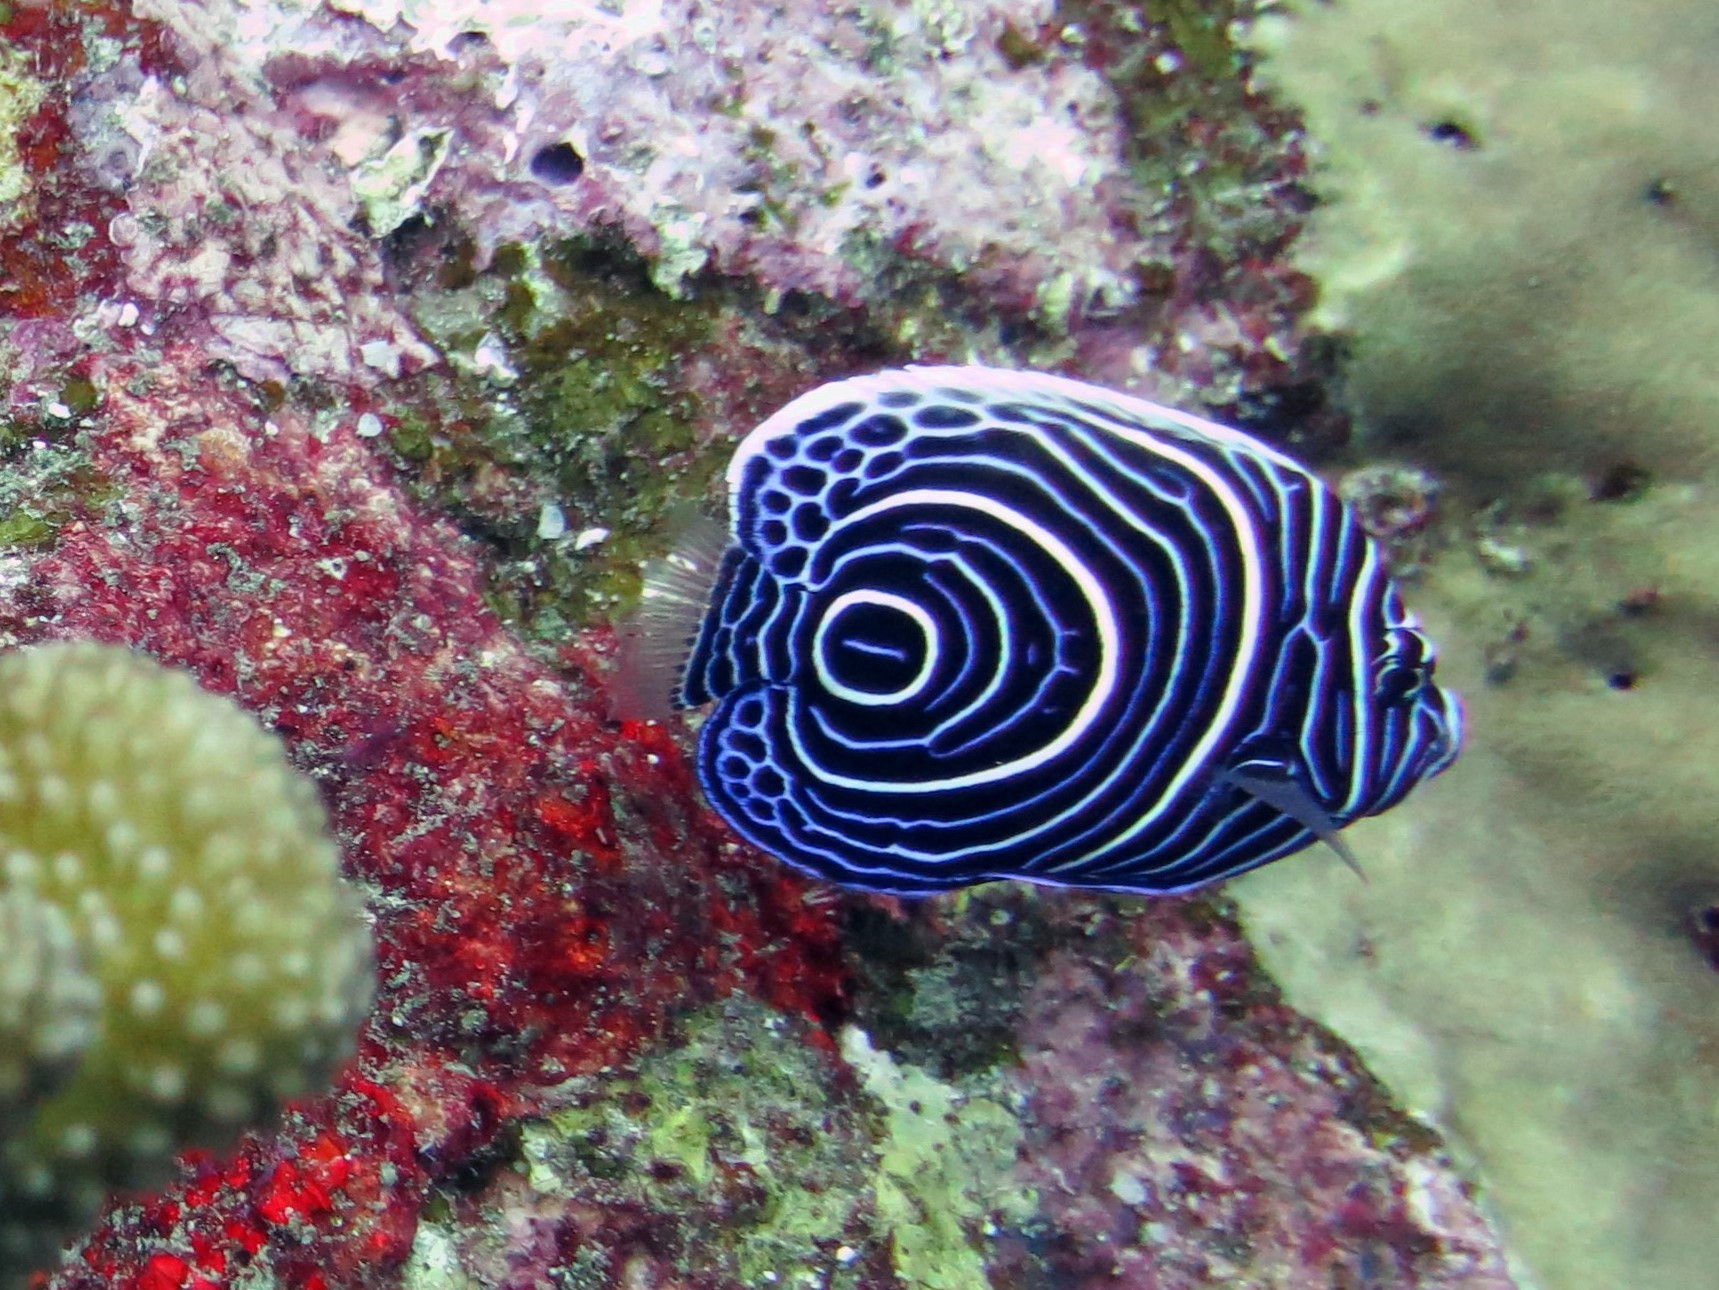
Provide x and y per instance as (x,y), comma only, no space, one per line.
(170,906)
(48,1002)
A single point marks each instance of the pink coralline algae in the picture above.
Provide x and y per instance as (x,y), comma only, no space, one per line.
(611,1046)
(1188,1130)
(292,293)
(833,150)
(804,147)
(297,291)
(793,142)
(546,889)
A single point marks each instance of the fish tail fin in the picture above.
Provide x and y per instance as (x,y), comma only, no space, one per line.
(656,639)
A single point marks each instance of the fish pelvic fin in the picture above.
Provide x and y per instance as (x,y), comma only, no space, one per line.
(1277,788)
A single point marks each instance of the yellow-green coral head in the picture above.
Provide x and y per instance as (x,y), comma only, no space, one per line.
(181,951)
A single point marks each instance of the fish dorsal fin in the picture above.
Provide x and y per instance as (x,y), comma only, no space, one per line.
(1278,789)
(656,639)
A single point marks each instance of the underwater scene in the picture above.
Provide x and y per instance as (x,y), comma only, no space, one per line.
(859,645)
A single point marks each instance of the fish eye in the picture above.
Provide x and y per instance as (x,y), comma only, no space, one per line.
(1398,684)
(1403,669)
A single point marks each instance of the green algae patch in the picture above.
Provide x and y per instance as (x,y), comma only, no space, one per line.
(47,478)
(945,1177)
(435,1262)
(584,405)
(757,1167)
(758,1158)
(20,96)
(588,406)
(1195,136)
(572,433)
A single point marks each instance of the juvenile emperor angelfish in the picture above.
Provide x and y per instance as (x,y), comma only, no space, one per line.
(968,624)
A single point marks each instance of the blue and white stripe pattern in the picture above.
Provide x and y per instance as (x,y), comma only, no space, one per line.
(976,624)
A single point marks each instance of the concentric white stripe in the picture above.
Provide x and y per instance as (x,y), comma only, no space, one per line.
(1004,662)
(1248,638)
(1362,605)
(1103,617)
(1122,510)
(884,600)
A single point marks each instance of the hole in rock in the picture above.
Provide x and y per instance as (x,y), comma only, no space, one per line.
(558,164)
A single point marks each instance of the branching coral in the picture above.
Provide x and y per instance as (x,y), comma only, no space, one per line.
(181,953)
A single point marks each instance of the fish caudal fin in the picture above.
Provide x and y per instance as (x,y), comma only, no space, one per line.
(656,639)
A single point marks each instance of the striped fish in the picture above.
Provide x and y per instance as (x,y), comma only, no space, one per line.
(968,624)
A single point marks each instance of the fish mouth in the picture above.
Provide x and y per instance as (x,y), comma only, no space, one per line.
(1449,720)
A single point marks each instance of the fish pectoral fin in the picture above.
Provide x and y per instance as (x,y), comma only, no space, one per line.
(1279,790)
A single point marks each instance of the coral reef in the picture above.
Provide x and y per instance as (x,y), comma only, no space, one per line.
(1518,235)
(351,354)
(943,1182)
(20,97)
(49,1005)
(1186,1129)
(724,137)
(735,1148)
(1168,1123)
(987,153)
(1517,244)
(546,891)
